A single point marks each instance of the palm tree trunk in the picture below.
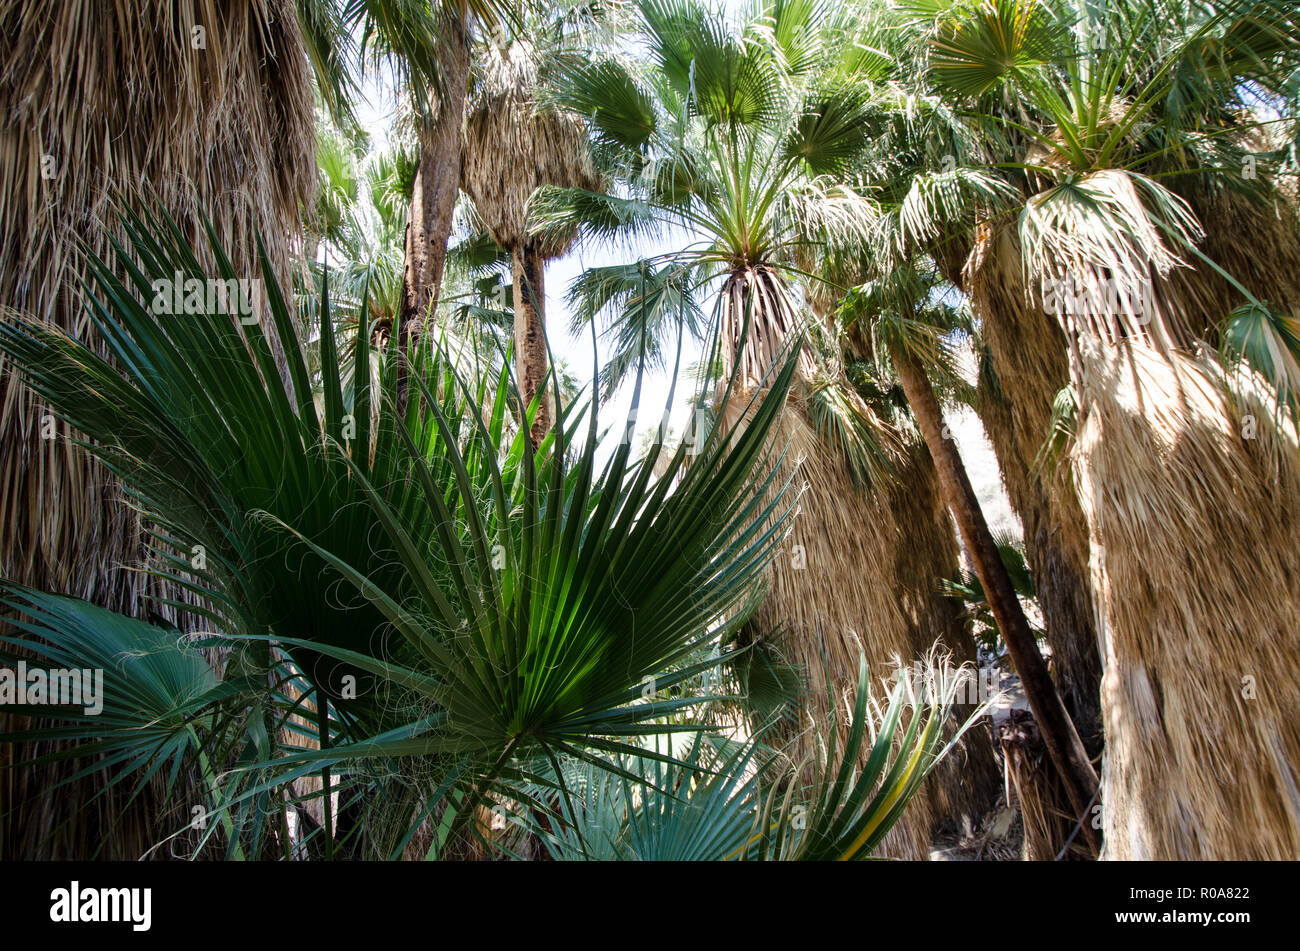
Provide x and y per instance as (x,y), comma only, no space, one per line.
(1062,740)
(433,197)
(924,547)
(229,133)
(530,332)
(1197,606)
(1056,549)
(1199,762)
(1029,363)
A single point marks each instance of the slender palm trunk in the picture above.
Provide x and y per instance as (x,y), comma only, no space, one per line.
(861,574)
(530,332)
(925,550)
(433,198)
(1056,543)
(1062,740)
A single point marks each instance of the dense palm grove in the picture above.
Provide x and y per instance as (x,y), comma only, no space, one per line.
(368,573)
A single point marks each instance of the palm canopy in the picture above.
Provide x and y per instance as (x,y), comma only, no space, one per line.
(1089,125)
(341,36)
(1106,140)
(722,130)
(1139,144)
(744,137)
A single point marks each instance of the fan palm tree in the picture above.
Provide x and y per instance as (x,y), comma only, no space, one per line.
(1128,132)
(203,107)
(435,45)
(730,136)
(904,334)
(933,171)
(514,144)
(191,96)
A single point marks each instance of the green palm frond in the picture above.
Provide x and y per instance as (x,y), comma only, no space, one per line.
(847,425)
(801,33)
(596,217)
(1269,343)
(992,41)
(1061,434)
(641,308)
(330,49)
(849,808)
(833,130)
(448,593)
(970,592)
(699,809)
(154,684)
(622,111)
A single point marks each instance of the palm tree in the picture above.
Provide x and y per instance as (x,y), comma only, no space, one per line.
(514,144)
(934,171)
(437,179)
(731,137)
(201,113)
(1130,130)
(909,338)
(193,104)
(433,46)
(1023,377)
(218,116)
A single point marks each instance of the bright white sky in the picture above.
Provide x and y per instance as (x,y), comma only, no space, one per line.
(576,353)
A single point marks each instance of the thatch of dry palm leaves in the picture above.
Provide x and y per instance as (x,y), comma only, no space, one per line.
(203,105)
(1132,198)
(1171,469)
(860,576)
(1199,697)
(1193,531)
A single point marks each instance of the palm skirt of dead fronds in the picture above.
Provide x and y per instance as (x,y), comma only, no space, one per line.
(205,106)
(1050,828)
(860,572)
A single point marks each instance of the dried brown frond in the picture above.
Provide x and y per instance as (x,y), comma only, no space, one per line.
(860,572)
